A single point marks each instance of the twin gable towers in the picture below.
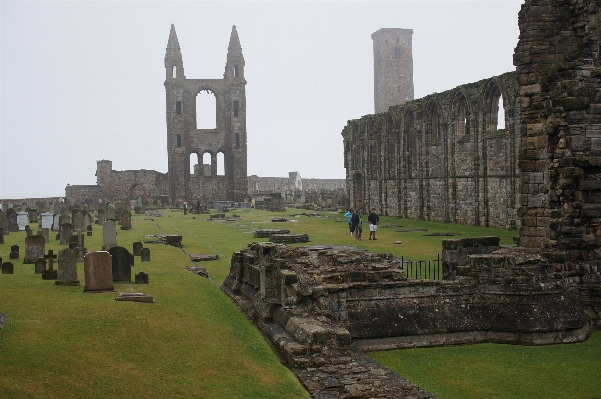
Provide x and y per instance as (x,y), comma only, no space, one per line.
(185,140)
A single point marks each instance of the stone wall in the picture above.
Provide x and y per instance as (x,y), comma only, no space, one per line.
(289,184)
(441,157)
(113,185)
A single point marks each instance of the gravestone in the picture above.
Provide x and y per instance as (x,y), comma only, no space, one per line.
(56,223)
(98,274)
(45,233)
(145,255)
(14,252)
(101,216)
(137,248)
(121,264)
(67,267)
(3,222)
(40,265)
(89,231)
(65,219)
(22,220)
(7,267)
(87,219)
(110,214)
(141,278)
(77,242)
(1,235)
(77,220)
(32,214)
(126,220)
(66,233)
(35,247)
(51,272)
(47,219)
(28,230)
(11,218)
(109,235)
(133,260)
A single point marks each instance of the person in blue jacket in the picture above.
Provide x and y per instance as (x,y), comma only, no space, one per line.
(348,215)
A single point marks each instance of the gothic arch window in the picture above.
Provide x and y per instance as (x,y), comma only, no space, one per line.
(432,131)
(194,164)
(207,160)
(174,71)
(494,108)
(460,118)
(220,164)
(206,110)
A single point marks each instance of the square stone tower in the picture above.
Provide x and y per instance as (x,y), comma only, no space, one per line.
(393,67)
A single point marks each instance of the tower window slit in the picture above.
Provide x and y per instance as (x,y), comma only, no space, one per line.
(178,107)
(236,105)
(235,71)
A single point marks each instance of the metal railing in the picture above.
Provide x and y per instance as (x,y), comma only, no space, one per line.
(423,269)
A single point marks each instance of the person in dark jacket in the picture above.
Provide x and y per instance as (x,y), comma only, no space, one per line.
(357,224)
(373,220)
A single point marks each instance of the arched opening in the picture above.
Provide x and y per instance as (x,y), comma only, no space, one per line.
(174,71)
(432,133)
(206,110)
(220,164)
(206,163)
(194,164)
(460,116)
(500,113)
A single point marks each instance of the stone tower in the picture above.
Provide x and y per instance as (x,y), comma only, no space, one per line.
(184,139)
(393,67)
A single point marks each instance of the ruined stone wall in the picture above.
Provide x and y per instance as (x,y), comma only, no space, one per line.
(116,185)
(499,295)
(440,158)
(258,184)
(558,69)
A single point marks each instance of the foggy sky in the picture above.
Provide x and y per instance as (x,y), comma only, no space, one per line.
(83,81)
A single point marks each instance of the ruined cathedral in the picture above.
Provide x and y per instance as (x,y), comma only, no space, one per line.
(226,142)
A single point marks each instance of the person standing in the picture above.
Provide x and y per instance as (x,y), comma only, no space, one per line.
(185,207)
(358,225)
(373,220)
(349,215)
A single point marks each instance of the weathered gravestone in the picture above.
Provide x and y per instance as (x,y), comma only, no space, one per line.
(56,222)
(32,214)
(22,220)
(45,233)
(137,248)
(1,235)
(109,235)
(101,216)
(66,233)
(14,252)
(77,243)
(121,265)
(67,267)
(89,231)
(3,222)
(35,247)
(47,219)
(87,219)
(110,214)
(40,266)
(145,255)
(142,278)
(77,220)
(65,219)
(50,273)
(7,267)
(28,230)
(126,220)
(11,217)
(98,274)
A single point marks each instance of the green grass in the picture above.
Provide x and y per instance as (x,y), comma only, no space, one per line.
(502,371)
(192,342)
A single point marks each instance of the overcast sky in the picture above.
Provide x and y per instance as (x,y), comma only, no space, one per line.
(82,81)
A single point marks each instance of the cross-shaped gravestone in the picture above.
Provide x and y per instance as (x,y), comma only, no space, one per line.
(50,273)
(50,257)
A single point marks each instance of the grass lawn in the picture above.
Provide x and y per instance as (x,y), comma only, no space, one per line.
(193,341)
